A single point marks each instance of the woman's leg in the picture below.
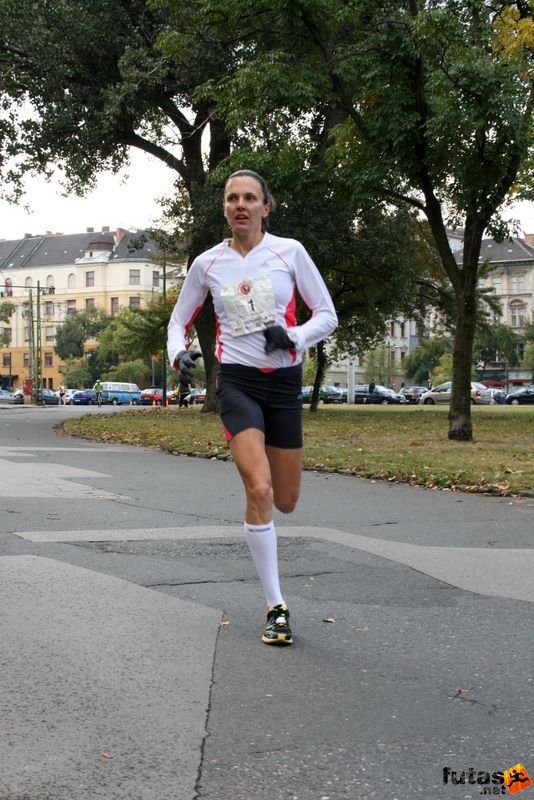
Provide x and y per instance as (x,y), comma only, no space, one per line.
(250,458)
(286,469)
(249,455)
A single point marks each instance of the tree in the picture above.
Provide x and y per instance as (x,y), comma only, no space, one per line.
(495,342)
(435,104)
(421,363)
(78,373)
(74,333)
(83,83)
(528,359)
(6,311)
(136,371)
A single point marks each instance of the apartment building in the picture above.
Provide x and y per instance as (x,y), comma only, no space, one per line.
(512,280)
(49,277)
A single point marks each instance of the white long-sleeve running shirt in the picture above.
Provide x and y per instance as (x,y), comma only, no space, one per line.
(249,294)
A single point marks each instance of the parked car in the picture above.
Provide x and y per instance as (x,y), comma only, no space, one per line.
(385,396)
(50,398)
(480,394)
(10,397)
(154,396)
(497,396)
(196,397)
(361,393)
(327,394)
(520,397)
(413,393)
(82,397)
(68,395)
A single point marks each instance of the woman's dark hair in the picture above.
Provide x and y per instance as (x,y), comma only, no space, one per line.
(267,196)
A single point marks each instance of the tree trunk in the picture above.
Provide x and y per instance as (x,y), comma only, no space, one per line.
(460,424)
(206,205)
(319,375)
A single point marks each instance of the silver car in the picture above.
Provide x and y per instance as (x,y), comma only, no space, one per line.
(480,394)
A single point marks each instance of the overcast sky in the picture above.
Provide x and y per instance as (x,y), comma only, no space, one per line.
(128,200)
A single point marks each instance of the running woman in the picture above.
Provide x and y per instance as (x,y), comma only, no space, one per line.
(254,278)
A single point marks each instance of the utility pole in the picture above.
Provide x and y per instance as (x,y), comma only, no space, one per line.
(164,354)
(38,350)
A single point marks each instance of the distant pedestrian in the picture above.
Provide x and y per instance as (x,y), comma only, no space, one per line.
(62,392)
(372,387)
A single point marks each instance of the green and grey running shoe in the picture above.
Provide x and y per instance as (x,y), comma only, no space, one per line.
(277,630)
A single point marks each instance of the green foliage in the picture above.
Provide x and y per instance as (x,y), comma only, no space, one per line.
(77,330)
(420,365)
(443,370)
(528,358)
(136,371)
(78,373)
(6,311)
(495,342)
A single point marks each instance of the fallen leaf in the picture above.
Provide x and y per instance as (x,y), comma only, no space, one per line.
(225,622)
(328,619)
(105,755)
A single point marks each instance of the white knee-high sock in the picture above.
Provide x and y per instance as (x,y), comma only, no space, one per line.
(261,540)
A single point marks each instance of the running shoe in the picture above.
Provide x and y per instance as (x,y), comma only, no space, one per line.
(277,630)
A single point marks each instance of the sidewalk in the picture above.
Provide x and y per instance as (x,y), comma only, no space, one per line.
(105,685)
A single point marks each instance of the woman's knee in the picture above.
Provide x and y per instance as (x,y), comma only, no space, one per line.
(260,493)
(287,502)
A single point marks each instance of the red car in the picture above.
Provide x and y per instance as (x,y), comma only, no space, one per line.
(154,396)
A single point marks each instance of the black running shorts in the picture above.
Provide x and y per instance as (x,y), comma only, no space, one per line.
(268,401)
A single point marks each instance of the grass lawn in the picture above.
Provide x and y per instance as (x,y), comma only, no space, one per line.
(406,444)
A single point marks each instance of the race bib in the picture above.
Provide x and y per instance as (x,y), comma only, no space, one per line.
(249,305)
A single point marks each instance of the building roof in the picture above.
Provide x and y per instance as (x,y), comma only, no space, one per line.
(509,250)
(53,250)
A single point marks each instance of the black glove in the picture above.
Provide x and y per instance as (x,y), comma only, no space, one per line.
(276,338)
(185,364)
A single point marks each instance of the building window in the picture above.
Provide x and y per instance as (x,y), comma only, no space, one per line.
(517,312)
(26,334)
(517,284)
(402,330)
(135,302)
(155,278)
(135,277)
(114,306)
(6,336)
(50,284)
(8,288)
(89,278)
(48,360)
(49,309)
(90,302)
(71,307)
(50,333)
(7,359)
(71,281)
(26,360)
(496,282)
(28,283)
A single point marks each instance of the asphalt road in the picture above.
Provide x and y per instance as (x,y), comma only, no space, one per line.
(130,659)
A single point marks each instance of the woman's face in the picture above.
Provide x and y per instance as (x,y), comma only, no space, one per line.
(244,206)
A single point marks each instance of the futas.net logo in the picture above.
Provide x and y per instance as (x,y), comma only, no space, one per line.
(511,780)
